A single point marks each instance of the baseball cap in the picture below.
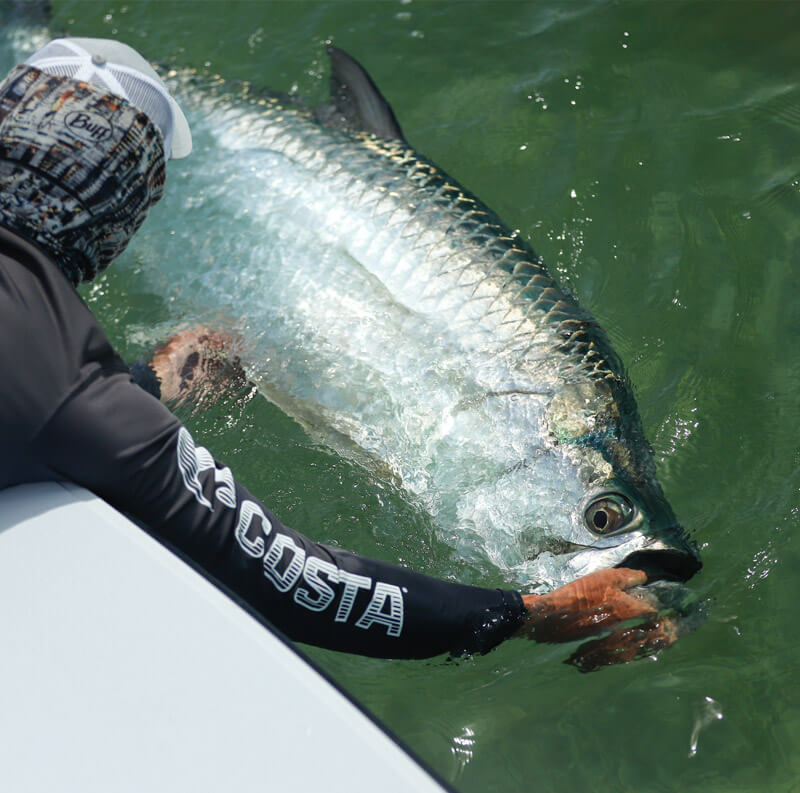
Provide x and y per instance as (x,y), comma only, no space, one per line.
(122,71)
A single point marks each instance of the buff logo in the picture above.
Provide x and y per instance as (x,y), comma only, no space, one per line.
(88,126)
(316,583)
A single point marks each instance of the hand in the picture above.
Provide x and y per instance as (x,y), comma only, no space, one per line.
(626,645)
(190,363)
(587,606)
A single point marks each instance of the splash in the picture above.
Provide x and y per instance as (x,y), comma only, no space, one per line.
(709,712)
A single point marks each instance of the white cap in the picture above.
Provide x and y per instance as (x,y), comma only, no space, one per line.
(122,71)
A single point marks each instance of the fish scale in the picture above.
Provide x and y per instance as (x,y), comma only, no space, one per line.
(408,183)
(407,318)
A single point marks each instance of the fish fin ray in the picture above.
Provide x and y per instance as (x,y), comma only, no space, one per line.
(356,102)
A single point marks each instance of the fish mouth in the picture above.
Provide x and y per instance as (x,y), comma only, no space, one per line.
(661,562)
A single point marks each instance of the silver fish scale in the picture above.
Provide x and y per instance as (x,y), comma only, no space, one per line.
(508,302)
(436,340)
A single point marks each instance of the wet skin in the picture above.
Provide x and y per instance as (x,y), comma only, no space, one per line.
(597,603)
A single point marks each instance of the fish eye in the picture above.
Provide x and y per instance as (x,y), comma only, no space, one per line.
(608,514)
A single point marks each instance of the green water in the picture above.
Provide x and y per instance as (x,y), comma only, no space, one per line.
(650,153)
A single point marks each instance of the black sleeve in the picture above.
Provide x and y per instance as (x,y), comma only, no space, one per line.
(143,374)
(123,444)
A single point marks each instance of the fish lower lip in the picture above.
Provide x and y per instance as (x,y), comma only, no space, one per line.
(663,564)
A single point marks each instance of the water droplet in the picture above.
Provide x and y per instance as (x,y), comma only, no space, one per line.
(708,712)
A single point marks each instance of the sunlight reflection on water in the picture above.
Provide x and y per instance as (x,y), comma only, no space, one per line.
(709,712)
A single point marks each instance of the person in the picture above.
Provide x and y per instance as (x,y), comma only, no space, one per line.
(86,127)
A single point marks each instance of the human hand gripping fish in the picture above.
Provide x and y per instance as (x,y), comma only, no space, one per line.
(599,602)
(528,433)
(190,368)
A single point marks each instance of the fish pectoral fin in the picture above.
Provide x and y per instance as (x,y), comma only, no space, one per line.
(357,104)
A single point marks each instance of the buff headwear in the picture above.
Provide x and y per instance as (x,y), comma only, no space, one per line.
(79,168)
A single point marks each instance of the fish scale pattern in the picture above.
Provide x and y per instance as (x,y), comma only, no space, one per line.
(471,248)
(501,403)
(463,243)
(499,269)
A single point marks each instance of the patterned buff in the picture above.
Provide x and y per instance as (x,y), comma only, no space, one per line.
(79,168)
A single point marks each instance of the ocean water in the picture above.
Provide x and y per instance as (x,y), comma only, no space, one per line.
(650,153)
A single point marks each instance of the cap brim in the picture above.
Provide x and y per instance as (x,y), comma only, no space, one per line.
(181,133)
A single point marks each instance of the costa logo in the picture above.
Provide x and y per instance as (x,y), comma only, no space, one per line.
(88,126)
(313,583)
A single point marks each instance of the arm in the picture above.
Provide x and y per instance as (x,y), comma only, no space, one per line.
(124,445)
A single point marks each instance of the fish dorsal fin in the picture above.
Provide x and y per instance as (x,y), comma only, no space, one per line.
(357,102)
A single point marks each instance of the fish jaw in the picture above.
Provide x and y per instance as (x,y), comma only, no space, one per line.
(664,562)
(659,559)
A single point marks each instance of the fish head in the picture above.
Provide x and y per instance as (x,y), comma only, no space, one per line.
(616,512)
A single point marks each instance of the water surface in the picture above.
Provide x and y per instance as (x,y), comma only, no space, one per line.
(650,154)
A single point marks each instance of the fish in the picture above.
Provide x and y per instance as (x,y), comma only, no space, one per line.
(390,310)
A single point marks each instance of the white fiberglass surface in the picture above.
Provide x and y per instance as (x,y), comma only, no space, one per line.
(125,670)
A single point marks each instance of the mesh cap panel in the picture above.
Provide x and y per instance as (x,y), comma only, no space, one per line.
(67,70)
(150,101)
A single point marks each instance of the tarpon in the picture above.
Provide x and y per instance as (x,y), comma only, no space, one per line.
(385,304)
